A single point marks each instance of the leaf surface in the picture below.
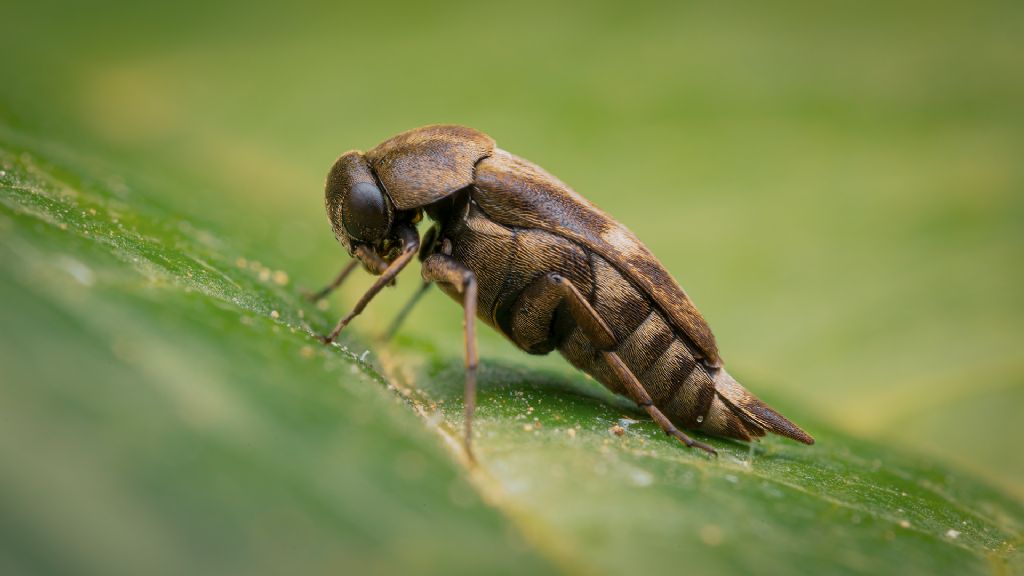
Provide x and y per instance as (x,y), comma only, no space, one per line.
(166,408)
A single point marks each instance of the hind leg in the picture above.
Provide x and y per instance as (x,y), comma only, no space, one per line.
(641,397)
(531,325)
(542,299)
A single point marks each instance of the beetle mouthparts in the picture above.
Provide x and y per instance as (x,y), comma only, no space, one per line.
(374,262)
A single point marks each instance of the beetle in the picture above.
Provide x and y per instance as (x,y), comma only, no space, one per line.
(543,266)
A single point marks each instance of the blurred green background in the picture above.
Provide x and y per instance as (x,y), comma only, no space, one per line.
(838,186)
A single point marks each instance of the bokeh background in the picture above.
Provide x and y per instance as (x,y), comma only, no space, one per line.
(838,186)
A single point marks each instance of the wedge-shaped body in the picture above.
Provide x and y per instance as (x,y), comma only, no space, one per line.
(550,271)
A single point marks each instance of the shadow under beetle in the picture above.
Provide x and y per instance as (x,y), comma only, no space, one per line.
(542,265)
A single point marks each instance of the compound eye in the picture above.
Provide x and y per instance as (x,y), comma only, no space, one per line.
(365,214)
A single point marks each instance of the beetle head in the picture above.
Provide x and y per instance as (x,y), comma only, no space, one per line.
(360,210)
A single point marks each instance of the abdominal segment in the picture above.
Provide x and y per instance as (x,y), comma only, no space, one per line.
(649,347)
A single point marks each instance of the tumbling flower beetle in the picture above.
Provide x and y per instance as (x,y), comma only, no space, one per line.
(536,261)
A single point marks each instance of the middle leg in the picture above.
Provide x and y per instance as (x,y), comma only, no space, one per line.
(396,323)
(445,269)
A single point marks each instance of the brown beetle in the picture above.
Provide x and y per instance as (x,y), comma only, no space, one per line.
(542,265)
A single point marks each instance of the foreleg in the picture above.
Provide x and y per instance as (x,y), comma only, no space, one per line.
(410,244)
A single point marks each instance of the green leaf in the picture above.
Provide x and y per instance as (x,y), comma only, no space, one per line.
(165,407)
